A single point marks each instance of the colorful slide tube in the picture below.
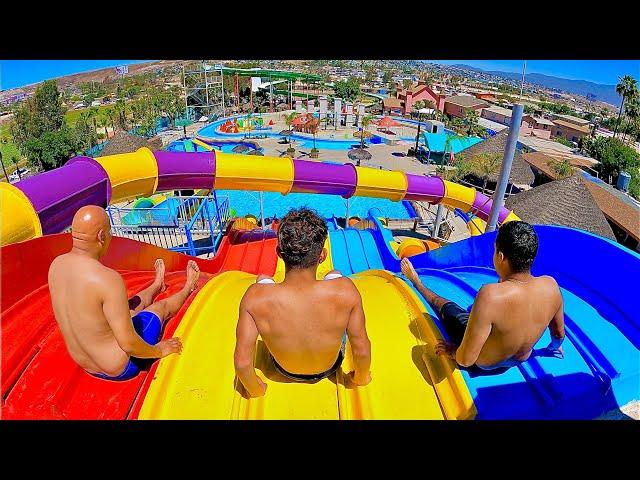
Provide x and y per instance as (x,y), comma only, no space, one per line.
(45,203)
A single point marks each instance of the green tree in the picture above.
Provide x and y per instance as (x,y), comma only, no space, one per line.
(347,89)
(632,111)
(614,157)
(365,122)
(406,83)
(562,168)
(627,88)
(39,129)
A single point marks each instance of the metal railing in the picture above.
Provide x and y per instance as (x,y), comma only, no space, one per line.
(187,224)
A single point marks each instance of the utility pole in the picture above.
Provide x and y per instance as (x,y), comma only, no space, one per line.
(505,170)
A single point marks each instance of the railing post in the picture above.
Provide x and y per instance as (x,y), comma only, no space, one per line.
(192,249)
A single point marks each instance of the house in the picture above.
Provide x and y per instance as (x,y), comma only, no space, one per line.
(418,92)
(457,105)
(531,125)
(392,105)
(486,96)
(569,131)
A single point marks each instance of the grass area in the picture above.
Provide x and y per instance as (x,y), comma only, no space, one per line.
(72,116)
(9,149)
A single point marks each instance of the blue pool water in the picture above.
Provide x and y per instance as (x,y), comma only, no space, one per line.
(436,141)
(276,204)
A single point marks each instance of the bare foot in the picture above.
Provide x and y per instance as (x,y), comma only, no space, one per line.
(159,266)
(409,271)
(193,273)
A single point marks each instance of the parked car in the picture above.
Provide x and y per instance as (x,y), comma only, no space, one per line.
(20,172)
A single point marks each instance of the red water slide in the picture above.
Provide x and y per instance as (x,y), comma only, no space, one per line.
(39,378)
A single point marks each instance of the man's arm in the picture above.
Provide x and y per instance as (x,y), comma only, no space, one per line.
(556,327)
(245,352)
(360,344)
(116,309)
(477,331)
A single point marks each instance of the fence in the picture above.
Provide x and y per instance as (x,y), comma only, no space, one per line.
(186,224)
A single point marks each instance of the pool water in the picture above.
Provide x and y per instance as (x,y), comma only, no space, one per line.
(276,204)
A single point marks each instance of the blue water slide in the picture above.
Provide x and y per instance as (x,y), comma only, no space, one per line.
(600,370)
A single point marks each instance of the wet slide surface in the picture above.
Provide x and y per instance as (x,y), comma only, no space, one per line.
(200,383)
(39,378)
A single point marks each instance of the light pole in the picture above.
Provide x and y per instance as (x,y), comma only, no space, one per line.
(4,169)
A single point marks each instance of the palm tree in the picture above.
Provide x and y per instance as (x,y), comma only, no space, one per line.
(288,120)
(104,122)
(109,113)
(485,164)
(93,113)
(627,88)
(365,122)
(562,168)
(632,111)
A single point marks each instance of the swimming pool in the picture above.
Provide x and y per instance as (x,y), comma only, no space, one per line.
(276,204)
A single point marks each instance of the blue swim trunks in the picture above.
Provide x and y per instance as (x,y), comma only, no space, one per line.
(149,327)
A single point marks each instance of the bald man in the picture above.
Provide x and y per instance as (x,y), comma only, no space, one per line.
(105,333)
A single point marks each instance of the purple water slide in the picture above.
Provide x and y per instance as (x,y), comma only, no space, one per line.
(58,194)
(329,178)
(425,189)
(185,170)
(482,207)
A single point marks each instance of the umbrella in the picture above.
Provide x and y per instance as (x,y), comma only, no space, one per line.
(240,148)
(285,132)
(255,152)
(359,154)
(388,122)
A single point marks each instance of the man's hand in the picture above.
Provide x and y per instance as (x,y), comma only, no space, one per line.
(358,381)
(262,389)
(167,347)
(447,349)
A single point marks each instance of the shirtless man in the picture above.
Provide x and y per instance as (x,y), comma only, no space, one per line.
(303,322)
(508,317)
(105,333)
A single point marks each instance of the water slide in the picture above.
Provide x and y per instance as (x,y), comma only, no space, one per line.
(41,381)
(601,366)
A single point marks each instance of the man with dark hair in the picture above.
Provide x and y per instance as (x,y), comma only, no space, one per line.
(508,317)
(303,322)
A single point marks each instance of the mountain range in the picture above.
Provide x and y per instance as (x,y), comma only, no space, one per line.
(600,91)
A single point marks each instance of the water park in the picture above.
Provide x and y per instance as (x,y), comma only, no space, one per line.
(217,197)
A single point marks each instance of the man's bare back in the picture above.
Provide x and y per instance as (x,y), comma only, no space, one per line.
(508,317)
(302,321)
(302,325)
(92,309)
(518,314)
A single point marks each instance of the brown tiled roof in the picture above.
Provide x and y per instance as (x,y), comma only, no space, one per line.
(391,102)
(521,173)
(123,142)
(617,211)
(542,162)
(566,202)
(466,101)
(573,126)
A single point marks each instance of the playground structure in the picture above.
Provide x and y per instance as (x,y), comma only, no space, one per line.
(600,370)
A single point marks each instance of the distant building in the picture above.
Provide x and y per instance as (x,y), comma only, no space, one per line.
(569,131)
(486,96)
(458,104)
(418,92)
(531,125)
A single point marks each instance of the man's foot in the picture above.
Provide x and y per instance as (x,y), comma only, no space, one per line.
(159,280)
(193,273)
(408,270)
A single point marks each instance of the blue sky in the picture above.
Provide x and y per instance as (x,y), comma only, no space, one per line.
(16,73)
(598,71)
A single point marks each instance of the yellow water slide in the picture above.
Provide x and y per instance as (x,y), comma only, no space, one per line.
(409,380)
